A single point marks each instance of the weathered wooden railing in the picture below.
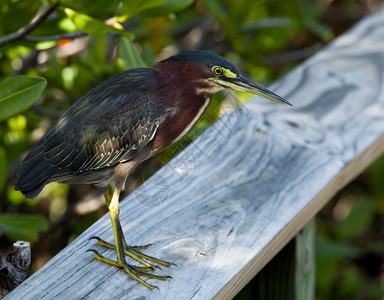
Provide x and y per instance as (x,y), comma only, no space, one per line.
(225,206)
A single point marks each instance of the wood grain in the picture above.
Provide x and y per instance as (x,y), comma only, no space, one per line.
(230,201)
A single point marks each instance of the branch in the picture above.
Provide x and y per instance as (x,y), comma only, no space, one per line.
(22,32)
(14,268)
(69,36)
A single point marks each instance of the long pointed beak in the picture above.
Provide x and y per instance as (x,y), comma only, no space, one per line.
(242,83)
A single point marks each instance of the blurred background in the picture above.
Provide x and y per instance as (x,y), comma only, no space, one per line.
(82,42)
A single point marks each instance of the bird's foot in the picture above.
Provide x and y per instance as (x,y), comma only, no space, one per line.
(134,253)
(133,271)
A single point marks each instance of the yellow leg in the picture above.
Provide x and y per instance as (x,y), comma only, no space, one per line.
(112,200)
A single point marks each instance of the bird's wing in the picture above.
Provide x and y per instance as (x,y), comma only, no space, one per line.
(112,137)
(109,125)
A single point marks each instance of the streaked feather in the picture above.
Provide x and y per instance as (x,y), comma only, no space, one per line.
(107,126)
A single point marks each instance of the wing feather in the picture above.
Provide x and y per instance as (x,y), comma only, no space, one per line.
(109,125)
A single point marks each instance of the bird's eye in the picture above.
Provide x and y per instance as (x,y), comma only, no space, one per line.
(218,71)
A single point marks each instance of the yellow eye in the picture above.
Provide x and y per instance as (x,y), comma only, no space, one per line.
(218,71)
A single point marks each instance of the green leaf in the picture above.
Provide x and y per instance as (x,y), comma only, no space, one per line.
(98,9)
(16,14)
(3,169)
(95,57)
(214,7)
(329,249)
(311,16)
(147,53)
(133,7)
(167,7)
(18,94)
(129,56)
(22,227)
(90,25)
(358,220)
(319,29)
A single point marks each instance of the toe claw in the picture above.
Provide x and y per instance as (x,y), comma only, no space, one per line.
(136,248)
(94,238)
(93,250)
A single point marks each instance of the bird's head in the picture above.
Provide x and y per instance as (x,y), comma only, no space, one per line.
(213,73)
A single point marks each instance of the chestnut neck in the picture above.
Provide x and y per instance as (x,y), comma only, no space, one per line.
(183,80)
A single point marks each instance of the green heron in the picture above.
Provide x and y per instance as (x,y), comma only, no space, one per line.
(123,121)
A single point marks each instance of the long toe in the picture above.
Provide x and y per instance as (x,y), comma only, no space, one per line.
(147,257)
(134,271)
(134,253)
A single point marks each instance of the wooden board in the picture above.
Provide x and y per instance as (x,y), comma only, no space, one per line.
(228,203)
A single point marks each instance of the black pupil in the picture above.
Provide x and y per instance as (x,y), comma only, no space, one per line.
(219,71)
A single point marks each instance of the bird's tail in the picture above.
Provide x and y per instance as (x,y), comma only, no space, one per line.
(32,193)
(33,173)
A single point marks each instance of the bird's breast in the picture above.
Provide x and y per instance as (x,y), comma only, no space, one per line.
(190,123)
(178,122)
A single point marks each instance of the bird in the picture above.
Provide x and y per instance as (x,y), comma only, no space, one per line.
(120,123)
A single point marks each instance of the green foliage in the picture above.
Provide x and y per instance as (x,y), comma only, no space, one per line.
(130,8)
(166,7)
(18,94)
(91,25)
(3,169)
(10,12)
(98,9)
(129,56)
(342,246)
(22,227)
(358,220)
